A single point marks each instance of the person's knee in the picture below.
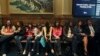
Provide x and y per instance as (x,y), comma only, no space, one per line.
(16,37)
(29,38)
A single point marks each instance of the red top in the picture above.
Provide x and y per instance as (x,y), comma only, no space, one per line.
(57,31)
(29,32)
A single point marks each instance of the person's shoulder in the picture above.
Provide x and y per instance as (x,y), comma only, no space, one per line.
(43,26)
(13,26)
(3,26)
(52,27)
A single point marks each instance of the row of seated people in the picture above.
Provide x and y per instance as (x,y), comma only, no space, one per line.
(43,35)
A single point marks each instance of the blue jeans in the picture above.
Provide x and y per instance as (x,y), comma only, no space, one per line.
(48,46)
(18,42)
(36,45)
(57,46)
(28,44)
(76,40)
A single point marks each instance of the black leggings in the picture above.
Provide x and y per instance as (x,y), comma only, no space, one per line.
(5,40)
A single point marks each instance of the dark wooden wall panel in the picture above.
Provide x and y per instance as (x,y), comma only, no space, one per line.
(35,18)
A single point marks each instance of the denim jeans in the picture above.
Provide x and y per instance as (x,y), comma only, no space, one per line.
(48,46)
(28,44)
(36,45)
(18,42)
(57,46)
(76,40)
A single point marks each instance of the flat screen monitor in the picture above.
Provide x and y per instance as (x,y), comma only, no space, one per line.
(86,1)
(84,9)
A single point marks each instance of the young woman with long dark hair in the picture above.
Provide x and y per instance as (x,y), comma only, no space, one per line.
(46,31)
(68,31)
(7,33)
(79,36)
(29,36)
(56,33)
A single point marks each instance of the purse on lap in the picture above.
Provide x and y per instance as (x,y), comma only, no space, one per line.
(43,41)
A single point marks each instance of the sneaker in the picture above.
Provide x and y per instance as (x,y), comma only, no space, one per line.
(29,54)
(4,55)
(46,54)
(24,52)
(32,50)
(52,51)
(37,53)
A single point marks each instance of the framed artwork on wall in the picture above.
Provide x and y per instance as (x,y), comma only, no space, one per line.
(31,6)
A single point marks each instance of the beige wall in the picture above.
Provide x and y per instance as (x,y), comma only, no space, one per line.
(61,7)
(58,7)
(67,7)
(4,7)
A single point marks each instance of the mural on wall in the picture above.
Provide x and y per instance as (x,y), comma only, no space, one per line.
(31,6)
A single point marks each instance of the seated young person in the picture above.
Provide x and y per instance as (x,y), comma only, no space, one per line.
(68,35)
(29,36)
(39,38)
(19,35)
(91,32)
(7,33)
(56,31)
(79,36)
(68,31)
(46,31)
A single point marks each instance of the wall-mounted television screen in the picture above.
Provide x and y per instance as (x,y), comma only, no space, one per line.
(84,8)
(85,1)
(98,1)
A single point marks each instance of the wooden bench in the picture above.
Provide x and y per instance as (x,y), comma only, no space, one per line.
(24,41)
